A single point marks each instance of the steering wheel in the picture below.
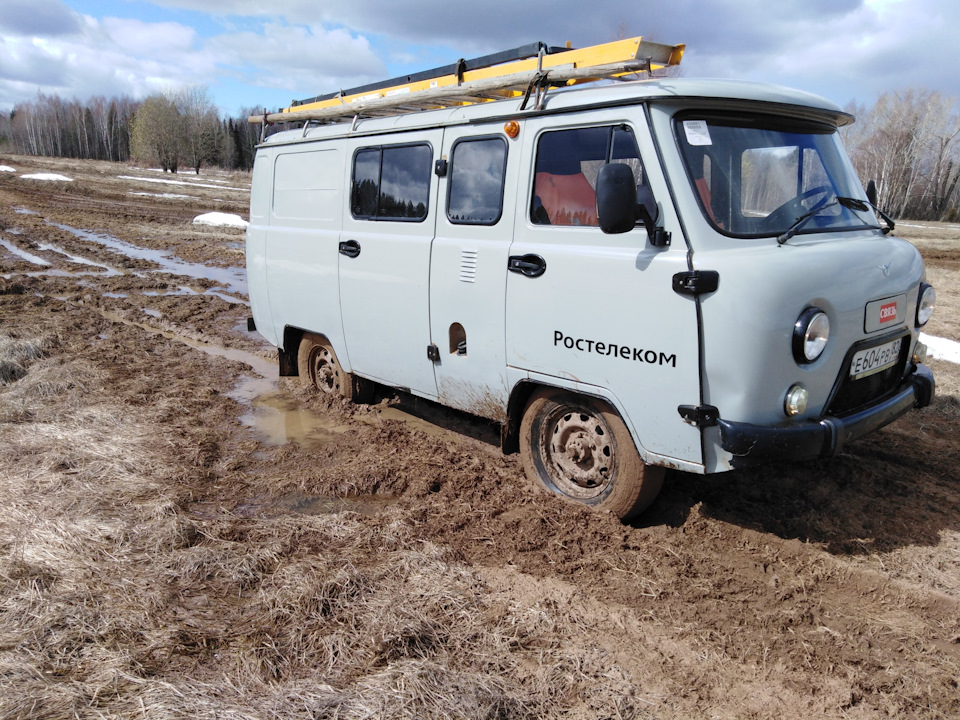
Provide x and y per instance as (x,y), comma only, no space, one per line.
(794,208)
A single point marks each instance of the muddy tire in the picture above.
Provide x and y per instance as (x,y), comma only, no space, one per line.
(580,449)
(318,365)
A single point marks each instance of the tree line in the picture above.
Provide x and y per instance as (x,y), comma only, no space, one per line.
(177,128)
(908,143)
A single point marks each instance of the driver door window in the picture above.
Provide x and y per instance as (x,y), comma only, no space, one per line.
(566,172)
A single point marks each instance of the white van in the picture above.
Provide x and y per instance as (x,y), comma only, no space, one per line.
(630,277)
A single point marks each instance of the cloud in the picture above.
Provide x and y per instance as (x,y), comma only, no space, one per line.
(307,60)
(843,49)
(48,18)
(167,40)
(108,57)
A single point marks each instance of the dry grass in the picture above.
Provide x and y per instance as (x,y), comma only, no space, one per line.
(17,354)
(118,602)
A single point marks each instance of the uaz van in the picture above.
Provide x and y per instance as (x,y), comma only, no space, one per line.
(629,277)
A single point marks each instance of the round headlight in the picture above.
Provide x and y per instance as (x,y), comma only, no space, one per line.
(926,304)
(810,335)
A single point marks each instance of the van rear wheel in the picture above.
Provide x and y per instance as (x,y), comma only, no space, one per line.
(580,448)
(317,364)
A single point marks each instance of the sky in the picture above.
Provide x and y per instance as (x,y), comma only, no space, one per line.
(265,54)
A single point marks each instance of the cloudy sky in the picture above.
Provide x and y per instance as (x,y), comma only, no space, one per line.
(266,53)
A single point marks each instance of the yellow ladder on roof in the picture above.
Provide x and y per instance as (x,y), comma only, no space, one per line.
(502,79)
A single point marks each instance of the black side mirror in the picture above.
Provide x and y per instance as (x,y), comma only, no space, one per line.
(872,192)
(616,198)
(618,208)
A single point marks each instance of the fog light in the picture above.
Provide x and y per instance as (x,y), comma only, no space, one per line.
(795,402)
(919,353)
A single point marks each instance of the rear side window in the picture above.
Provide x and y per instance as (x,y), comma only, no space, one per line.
(391,183)
(566,172)
(477,171)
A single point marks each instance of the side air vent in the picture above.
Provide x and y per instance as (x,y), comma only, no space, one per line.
(468,266)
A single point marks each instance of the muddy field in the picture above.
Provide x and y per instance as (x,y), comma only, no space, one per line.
(183,536)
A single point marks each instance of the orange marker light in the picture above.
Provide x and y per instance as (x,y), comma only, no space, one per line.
(511,128)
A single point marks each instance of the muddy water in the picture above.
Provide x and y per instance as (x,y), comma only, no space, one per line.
(279,419)
(108,271)
(276,417)
(234,279)
(23,254)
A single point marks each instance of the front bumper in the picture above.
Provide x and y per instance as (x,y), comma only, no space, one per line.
(754,444)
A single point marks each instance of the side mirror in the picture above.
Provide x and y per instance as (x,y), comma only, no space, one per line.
(616,198)
(872,192)
(620,204)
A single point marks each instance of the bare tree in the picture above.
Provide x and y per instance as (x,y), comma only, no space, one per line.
(201,126)
(907,143)
(157,132)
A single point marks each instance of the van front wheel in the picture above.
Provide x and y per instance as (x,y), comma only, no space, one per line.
(579,448)
(318,365)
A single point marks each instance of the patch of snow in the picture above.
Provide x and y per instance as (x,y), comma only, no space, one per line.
(181,182)
(47,176)
(6,168)
(941,348)
(220,219)
(163,195)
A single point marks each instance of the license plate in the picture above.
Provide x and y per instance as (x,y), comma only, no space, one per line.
(873,360)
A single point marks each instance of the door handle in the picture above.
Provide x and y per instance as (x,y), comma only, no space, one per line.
(530,265)
(350,248)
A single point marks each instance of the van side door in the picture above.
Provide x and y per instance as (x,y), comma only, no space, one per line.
(597,313)
(384,258)
(467,270)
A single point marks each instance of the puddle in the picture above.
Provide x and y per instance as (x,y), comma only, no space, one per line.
(24,211)
(44,273)
(263,368)
(80,260)
(279,419)
(184,290)
(152,313)
(233,279)
(23,254)
(312,505)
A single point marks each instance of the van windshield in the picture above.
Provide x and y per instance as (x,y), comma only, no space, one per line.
(754,176)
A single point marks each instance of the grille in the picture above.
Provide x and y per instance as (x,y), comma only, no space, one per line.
(853,394)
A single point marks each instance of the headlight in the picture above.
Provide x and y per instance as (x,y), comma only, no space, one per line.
(810,335)
(926,303)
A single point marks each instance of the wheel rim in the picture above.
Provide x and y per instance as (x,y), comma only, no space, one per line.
(578,452)
(324,370)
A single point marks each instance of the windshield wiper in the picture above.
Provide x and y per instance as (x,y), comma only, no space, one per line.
(847,202)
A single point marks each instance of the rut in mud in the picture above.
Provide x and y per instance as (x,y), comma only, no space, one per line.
(185,535)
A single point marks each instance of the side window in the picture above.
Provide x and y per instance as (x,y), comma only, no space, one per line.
(391,183)
(477,171)
(566,172)
(768,179)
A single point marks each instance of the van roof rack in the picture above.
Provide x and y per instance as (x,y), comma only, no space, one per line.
(529,69)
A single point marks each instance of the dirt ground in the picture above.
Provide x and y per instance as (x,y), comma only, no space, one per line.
(185,536)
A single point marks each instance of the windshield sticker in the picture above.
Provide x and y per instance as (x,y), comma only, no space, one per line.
(697,132)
